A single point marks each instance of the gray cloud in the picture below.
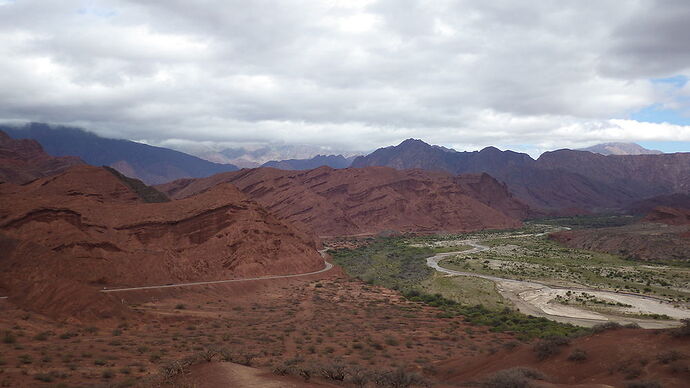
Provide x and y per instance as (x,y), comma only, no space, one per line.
(352,74)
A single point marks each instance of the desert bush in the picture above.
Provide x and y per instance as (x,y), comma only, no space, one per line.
(548,347)
(25,359)
(332,371)
(513,378)
(9,337)
(180,306)
(398,378)
(42,336)
(283,370)
(684,330)
(632,325)
(208,354)
(643,384)
(358,377)
(174,369)
(242,357)
(44,377)
(577,355)
(669,356)
(598,328)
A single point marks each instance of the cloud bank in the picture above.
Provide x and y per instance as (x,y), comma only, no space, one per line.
(352,74)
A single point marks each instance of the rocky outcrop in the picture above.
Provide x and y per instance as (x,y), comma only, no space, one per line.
(330,202)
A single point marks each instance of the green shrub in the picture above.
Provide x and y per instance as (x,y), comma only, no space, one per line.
(548,347)
(577,355)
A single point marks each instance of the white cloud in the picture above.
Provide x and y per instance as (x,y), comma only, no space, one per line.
(352,74)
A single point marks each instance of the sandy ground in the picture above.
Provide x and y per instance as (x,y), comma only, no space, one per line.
(537,299)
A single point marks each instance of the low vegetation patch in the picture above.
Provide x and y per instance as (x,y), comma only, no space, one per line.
(506,320)
(513,378)
(550,346)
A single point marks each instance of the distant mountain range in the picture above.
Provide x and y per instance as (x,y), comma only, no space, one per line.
(620,149)
(150,164)
(334,161)
(561,181)
(256,156)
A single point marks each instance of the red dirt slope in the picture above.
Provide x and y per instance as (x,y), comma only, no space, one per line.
(644,240)
(614,358)
(23,161)
(669,216)
(103,234)
(351,201)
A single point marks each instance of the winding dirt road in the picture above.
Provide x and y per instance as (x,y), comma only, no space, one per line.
(327,267)
(535,298)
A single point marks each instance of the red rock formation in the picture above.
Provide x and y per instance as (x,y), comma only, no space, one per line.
(23,161)
(105,235)
(669,216)
(369,200)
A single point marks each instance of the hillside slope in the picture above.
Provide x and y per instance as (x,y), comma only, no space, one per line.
(350,201)
(662,235)
(101,233)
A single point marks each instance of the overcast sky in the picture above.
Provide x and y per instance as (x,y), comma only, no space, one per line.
(352,74)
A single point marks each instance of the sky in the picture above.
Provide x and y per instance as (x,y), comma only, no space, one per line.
(352,74)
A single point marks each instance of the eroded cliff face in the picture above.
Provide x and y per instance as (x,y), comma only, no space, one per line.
(330,202)
(99,233)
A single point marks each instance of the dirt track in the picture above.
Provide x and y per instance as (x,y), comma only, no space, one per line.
(536,298)
(327,267)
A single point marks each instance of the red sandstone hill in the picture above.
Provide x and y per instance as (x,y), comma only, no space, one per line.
(23,161)
(100,232)
(331,202)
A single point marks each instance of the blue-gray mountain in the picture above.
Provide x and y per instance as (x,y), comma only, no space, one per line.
(333,161)
(560,182)
(153,165)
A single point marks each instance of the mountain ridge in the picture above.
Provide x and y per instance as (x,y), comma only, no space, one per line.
(558,182)
(619,148)
(152,165)
(329,202)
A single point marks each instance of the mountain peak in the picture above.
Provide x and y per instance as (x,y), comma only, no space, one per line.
(413,142)
(620,149)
